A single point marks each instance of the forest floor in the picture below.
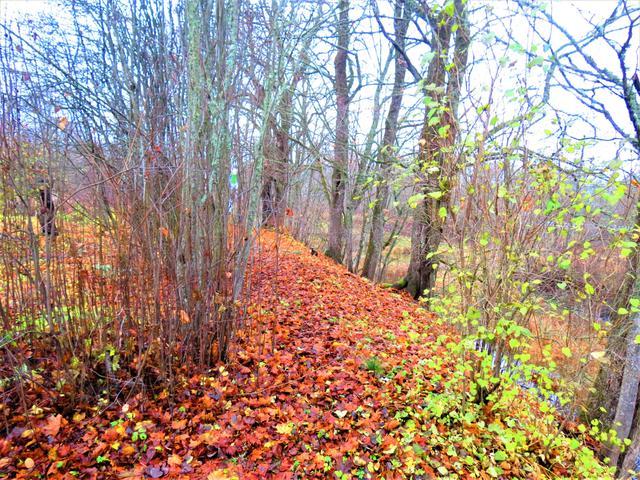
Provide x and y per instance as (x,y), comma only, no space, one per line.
(326,380)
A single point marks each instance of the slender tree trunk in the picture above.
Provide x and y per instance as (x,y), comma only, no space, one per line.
(341,149)
(402,16)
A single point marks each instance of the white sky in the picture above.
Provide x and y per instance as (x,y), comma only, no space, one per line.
(573,11)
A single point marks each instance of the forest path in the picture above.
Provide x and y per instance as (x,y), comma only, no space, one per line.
(327,376)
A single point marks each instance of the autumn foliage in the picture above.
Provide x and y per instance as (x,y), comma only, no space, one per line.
(326,380)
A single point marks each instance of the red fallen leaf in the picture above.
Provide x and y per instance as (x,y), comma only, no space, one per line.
(52,426)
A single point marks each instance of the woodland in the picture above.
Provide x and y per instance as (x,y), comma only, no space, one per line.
(319,239)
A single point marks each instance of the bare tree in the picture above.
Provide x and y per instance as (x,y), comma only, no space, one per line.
(341,149)
(402,16)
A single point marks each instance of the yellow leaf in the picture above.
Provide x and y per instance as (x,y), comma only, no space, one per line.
(29,463)
(62,123)
(174,460)
(285,428)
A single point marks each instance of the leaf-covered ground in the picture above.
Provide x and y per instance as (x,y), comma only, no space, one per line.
(328,379)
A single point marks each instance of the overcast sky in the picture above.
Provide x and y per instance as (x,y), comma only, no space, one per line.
(576,13)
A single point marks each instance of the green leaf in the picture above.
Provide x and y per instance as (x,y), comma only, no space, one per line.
(436,195)
(449,9)
(414,200)
(566,351)
(589,289)
(442,212)
(500,456)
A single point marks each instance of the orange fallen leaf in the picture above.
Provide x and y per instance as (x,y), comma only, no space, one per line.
(178,424)
(52,426)
(219,475)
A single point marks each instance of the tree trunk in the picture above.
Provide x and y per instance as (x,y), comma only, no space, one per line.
(402,16)
(341,149)
(628,389)
(631,456)
(276,167)
(47,209)
(436,163)
(603,400)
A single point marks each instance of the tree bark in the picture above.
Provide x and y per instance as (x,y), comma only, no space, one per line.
(628,389)
(436,165)
(276,167)
(341,149)
(631,456)
(47,209)
(402,15)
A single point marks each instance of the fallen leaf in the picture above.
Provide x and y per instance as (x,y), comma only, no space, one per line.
(218,475)
(285,428)
(178,424)
(53,425)
(155,472)
(29,463)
